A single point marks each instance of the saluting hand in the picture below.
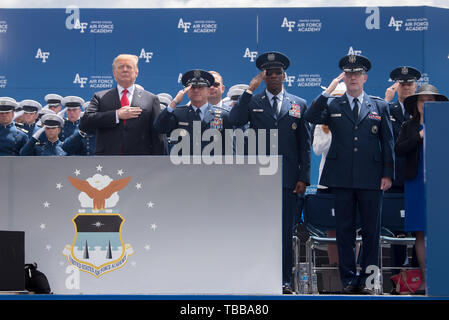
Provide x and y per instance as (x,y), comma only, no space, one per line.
(391,90)
(334,83)
(177,100)
(257,80)
(128,112)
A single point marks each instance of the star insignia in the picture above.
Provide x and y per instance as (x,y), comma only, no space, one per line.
(150,204)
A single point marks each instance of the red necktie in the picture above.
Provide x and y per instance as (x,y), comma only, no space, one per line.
(124,101)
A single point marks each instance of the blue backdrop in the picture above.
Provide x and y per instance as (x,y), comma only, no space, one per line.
(70,51)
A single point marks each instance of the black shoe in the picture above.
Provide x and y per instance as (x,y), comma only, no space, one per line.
(286,289)
(365,290)
(394,292)
(350,289)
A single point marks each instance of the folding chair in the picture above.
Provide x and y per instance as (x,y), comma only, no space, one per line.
(319,216)
(392,220)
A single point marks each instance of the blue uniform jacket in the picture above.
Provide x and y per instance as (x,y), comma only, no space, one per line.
(28,129)
(12,140)
(36,148)
(293,131)
(397,118)
(361,152)
(183,117)
(68,129)
(78,145)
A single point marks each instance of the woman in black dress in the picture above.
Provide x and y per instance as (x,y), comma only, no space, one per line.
(410,145)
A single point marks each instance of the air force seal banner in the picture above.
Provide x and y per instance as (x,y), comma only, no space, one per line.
(98,247)
(145,225)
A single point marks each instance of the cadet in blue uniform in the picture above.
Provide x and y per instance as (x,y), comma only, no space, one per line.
(275,108)
(405,85)
(52,125)
(11,139)
(31,109)
(234,94)
(53,101)
(80,143)
(359,166)
(72,106)
(198,114)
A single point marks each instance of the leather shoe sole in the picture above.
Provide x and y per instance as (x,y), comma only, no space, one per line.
(350,289)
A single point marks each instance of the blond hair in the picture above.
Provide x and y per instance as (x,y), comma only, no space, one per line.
(123,56)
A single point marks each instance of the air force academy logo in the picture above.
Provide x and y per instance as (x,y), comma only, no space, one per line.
(98,247)
(42,55)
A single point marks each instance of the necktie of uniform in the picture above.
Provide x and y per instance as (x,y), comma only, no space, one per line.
(198,113)
(275,105)
(355,110)
(124,100)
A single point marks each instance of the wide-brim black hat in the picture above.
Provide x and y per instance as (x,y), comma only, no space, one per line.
(354,63)
(405,74)
(425,89)
(197,77)
(272,60)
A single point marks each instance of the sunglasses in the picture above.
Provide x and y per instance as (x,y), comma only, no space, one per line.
(274,71)
(216,84)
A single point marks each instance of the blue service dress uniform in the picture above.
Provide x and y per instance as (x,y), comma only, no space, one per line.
(29,129)
(78,145)
(398,117)
(293,136)
(68,129)
(12,140)
(183,117)
(360,155)
(36,148)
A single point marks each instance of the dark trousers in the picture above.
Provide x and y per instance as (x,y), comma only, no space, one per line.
(291,212)
(398,253)
(369,205)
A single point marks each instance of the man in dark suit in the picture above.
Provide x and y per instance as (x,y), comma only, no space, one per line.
(359,166)
(123,117)
(276,109)
(194,119)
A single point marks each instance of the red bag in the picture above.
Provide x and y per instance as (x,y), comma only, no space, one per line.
(407,281)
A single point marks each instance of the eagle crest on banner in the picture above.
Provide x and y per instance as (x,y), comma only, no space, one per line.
(97,247)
